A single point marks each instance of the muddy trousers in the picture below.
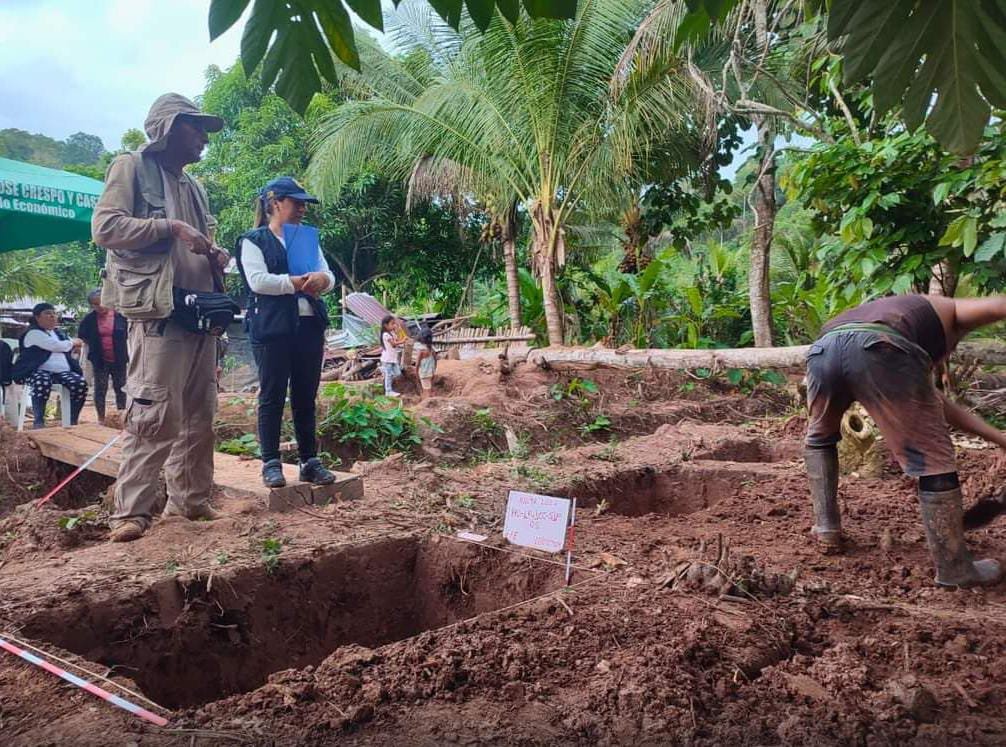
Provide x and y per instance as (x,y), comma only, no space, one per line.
(169,421)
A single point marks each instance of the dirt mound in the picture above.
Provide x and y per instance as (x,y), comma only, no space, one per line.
(23,471)
(28,530)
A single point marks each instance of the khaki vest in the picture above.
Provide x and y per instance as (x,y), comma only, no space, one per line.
(138,284)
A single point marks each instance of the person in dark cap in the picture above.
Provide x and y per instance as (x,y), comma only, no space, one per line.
(286,323)
(154,222)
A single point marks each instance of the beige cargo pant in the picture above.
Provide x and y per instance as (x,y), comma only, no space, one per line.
(169,421)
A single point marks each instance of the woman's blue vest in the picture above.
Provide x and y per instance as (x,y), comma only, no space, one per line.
(273,317)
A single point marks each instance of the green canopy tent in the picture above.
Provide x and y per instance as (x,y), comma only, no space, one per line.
(40,206)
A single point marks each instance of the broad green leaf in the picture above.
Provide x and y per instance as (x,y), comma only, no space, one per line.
(735,376)
(224,14)
(338,29)
(952,236)
(650,276)
(369,11)
(551,8)
(969,236)
(903,284)
(873,26)
(894,71)
(956,46)
(992,246)
(449,10)
(266,16)
(694,299)
(867,266)
(481,12)
(510,9)
(941,192)
(774,377)
(693,26)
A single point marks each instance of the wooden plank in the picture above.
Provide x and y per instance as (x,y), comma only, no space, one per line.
(241,477)
(61,445)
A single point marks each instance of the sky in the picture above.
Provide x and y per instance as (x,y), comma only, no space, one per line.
(68,66)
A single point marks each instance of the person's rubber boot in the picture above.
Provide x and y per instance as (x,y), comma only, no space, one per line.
(272,474)
(822,471)
(313,472)
(943,518)
(38,411)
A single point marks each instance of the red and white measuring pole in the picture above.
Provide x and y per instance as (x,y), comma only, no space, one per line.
(66,480)
(84,684)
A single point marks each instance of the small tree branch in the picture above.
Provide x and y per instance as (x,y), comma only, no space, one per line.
(845,110)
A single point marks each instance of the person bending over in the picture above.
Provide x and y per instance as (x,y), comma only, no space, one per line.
(882,354)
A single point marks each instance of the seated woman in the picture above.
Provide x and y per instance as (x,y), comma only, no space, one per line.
(43,358)
(286,323)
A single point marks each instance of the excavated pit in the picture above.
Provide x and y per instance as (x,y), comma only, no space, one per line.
(673,491)
(186,641)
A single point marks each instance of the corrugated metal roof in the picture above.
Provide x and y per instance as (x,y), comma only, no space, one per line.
(366,307)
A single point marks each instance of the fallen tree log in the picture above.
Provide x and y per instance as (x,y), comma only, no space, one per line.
(988,352)
(482,339)
(559,358)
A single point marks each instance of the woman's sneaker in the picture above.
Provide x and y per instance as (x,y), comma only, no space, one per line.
(313,472)
(272,474)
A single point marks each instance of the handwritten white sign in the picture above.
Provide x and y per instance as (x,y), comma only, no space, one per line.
(537,521)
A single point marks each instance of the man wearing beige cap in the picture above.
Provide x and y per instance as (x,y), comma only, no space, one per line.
(154,222)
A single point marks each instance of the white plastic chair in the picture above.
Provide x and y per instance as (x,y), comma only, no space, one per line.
(8,403)
(24,402)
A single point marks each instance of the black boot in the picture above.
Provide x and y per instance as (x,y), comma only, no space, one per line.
(942,517)
(272,474)
(313,472)
(822,470)
(38,410)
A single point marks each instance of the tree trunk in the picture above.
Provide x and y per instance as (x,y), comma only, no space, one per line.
(552,304)
(508,238)
(944,280)
(761,243)
(546,247)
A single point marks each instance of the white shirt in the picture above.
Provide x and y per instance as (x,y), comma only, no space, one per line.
(389,353)
(261,281)
(39,338)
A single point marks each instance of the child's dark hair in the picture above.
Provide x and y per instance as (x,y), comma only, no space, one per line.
(426,337)
(385,321)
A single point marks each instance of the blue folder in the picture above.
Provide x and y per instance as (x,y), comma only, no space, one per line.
(303,248)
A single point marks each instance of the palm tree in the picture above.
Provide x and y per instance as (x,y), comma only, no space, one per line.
(21,275)
(526,112)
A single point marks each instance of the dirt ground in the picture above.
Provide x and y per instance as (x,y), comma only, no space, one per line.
(700,612)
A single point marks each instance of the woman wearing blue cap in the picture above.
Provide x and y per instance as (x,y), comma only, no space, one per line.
(286,323)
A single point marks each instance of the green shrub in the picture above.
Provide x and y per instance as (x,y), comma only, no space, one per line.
(246,445)
(377,425)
